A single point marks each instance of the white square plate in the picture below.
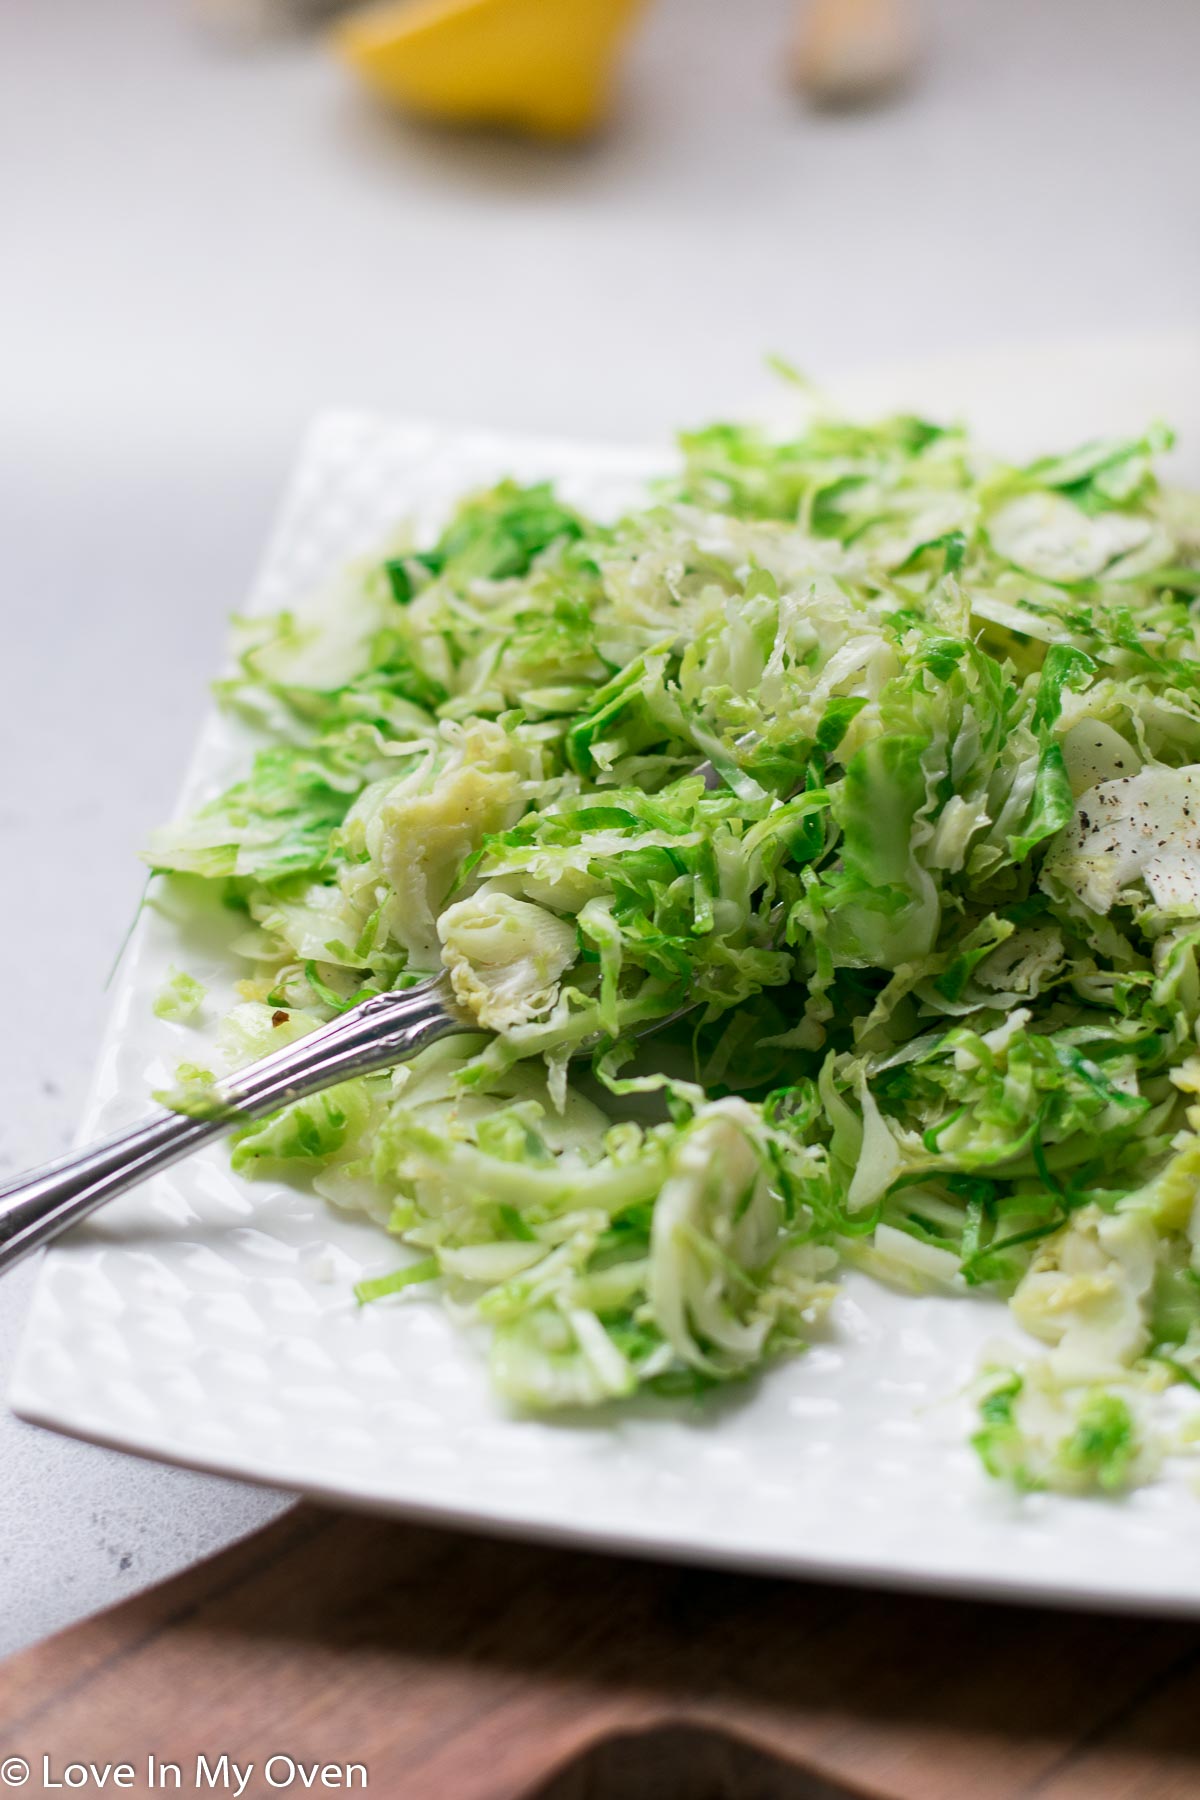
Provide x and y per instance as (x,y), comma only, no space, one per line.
(211,1322)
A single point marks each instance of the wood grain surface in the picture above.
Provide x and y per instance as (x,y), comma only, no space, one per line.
(458,1667)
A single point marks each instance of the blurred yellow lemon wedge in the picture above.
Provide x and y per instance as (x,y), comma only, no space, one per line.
(543,66)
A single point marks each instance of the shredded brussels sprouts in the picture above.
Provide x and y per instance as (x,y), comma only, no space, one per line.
(938,921)
(180,998)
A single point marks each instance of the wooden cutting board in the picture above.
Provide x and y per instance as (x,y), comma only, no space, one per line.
(459,1668)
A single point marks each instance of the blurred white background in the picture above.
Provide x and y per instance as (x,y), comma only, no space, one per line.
(202,247)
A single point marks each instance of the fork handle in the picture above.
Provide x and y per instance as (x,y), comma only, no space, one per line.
(382,1031)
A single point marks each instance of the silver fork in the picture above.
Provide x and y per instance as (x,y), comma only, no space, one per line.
(376,1034)
(379,1032)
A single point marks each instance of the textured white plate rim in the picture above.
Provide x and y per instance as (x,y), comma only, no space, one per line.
(1110,1585)
(648,1545)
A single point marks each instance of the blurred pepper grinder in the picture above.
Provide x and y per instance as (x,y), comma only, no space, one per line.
(853,52)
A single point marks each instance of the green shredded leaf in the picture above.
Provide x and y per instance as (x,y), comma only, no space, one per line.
(1103,1443)
(428,1269)
(180,998)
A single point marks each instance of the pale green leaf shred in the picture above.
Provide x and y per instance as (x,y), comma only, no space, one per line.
(180,998)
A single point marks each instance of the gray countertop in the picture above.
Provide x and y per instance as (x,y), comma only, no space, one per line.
(202,248)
